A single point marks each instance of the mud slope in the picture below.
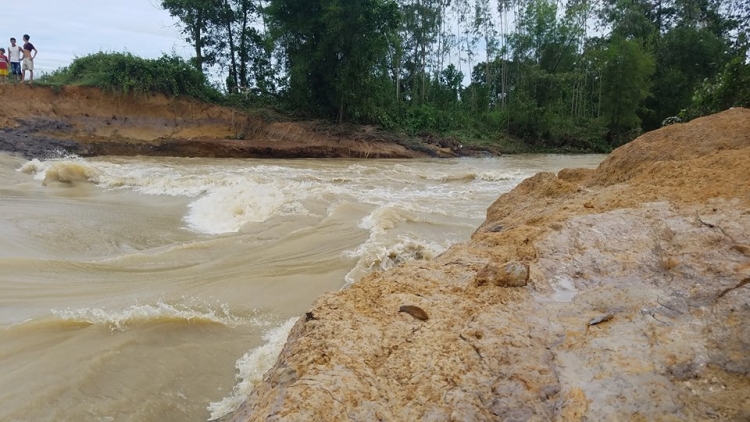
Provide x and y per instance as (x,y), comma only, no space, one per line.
(40,121)
(621,293)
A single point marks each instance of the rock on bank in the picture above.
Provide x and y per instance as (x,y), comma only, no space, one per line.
(635,306)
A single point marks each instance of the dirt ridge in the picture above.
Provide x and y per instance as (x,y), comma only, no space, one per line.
(45,121)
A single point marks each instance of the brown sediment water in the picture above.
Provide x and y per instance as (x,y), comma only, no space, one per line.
(139,289)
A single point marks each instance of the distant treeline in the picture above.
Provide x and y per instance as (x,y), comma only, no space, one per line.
(579,75)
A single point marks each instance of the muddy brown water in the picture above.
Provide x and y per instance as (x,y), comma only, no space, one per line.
(143,289)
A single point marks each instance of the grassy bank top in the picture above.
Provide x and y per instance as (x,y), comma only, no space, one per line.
(126,73)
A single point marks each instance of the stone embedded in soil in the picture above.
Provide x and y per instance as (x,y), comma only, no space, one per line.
(743,249)
(414,311)
(510,274)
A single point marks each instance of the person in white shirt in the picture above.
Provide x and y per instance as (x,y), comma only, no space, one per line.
(15,52)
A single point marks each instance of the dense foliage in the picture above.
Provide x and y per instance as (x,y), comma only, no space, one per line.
(125,73)
(579,75)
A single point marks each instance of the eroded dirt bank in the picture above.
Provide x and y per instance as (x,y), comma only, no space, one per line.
(42,121)
(635,306)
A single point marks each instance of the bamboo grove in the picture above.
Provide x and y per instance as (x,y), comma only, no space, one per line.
(581,75)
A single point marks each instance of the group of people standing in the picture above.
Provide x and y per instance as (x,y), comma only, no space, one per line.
(18,61)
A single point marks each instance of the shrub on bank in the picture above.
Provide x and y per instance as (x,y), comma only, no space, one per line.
(731,88)
(126,73)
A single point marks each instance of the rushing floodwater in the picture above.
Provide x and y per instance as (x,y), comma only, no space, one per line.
(151,289)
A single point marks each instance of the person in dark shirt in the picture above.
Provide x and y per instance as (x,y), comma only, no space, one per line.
(28,59)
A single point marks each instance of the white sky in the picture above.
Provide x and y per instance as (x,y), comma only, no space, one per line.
(62,30)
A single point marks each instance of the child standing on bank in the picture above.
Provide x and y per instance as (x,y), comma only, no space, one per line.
(3,66)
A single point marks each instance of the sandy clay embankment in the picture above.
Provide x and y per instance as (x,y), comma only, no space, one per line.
(635,307)
(42,121)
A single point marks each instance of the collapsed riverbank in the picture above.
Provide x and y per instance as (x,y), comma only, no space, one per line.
(616,293)
(43,121)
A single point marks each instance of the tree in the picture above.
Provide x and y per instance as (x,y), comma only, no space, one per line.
(194,16)
(684,58)
(241,48)
(626,81)
(332,49)
(484,27)
(731,88)
(541,76)
(449,86)
(420,29)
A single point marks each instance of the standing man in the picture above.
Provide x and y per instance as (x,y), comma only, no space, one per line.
(28,59)
(14,53)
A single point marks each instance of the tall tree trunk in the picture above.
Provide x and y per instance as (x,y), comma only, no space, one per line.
(232,45)
(397,77)
(504,66)
(243,47)
(599,105)
(341,109)
(440,43)
(198,40)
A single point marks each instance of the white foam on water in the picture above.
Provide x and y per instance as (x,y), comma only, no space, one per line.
(497,176)
(226,197)
(375,257)
(360,169)
(226,209)
(469,176)
(33,167)
(160,312)
(387,217)
(251,368)
(158,180)
(458,173)
(68,169)
(382,250)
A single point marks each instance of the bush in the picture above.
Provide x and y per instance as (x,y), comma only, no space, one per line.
(730,89)
(125,73)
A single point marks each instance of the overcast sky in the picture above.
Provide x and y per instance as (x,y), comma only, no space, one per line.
(62,30)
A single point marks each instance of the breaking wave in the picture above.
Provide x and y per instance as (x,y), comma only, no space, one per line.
(251,368)
(146,315)
(387,248)
(69,170)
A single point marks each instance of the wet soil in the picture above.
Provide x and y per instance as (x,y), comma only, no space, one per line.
(39,122)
